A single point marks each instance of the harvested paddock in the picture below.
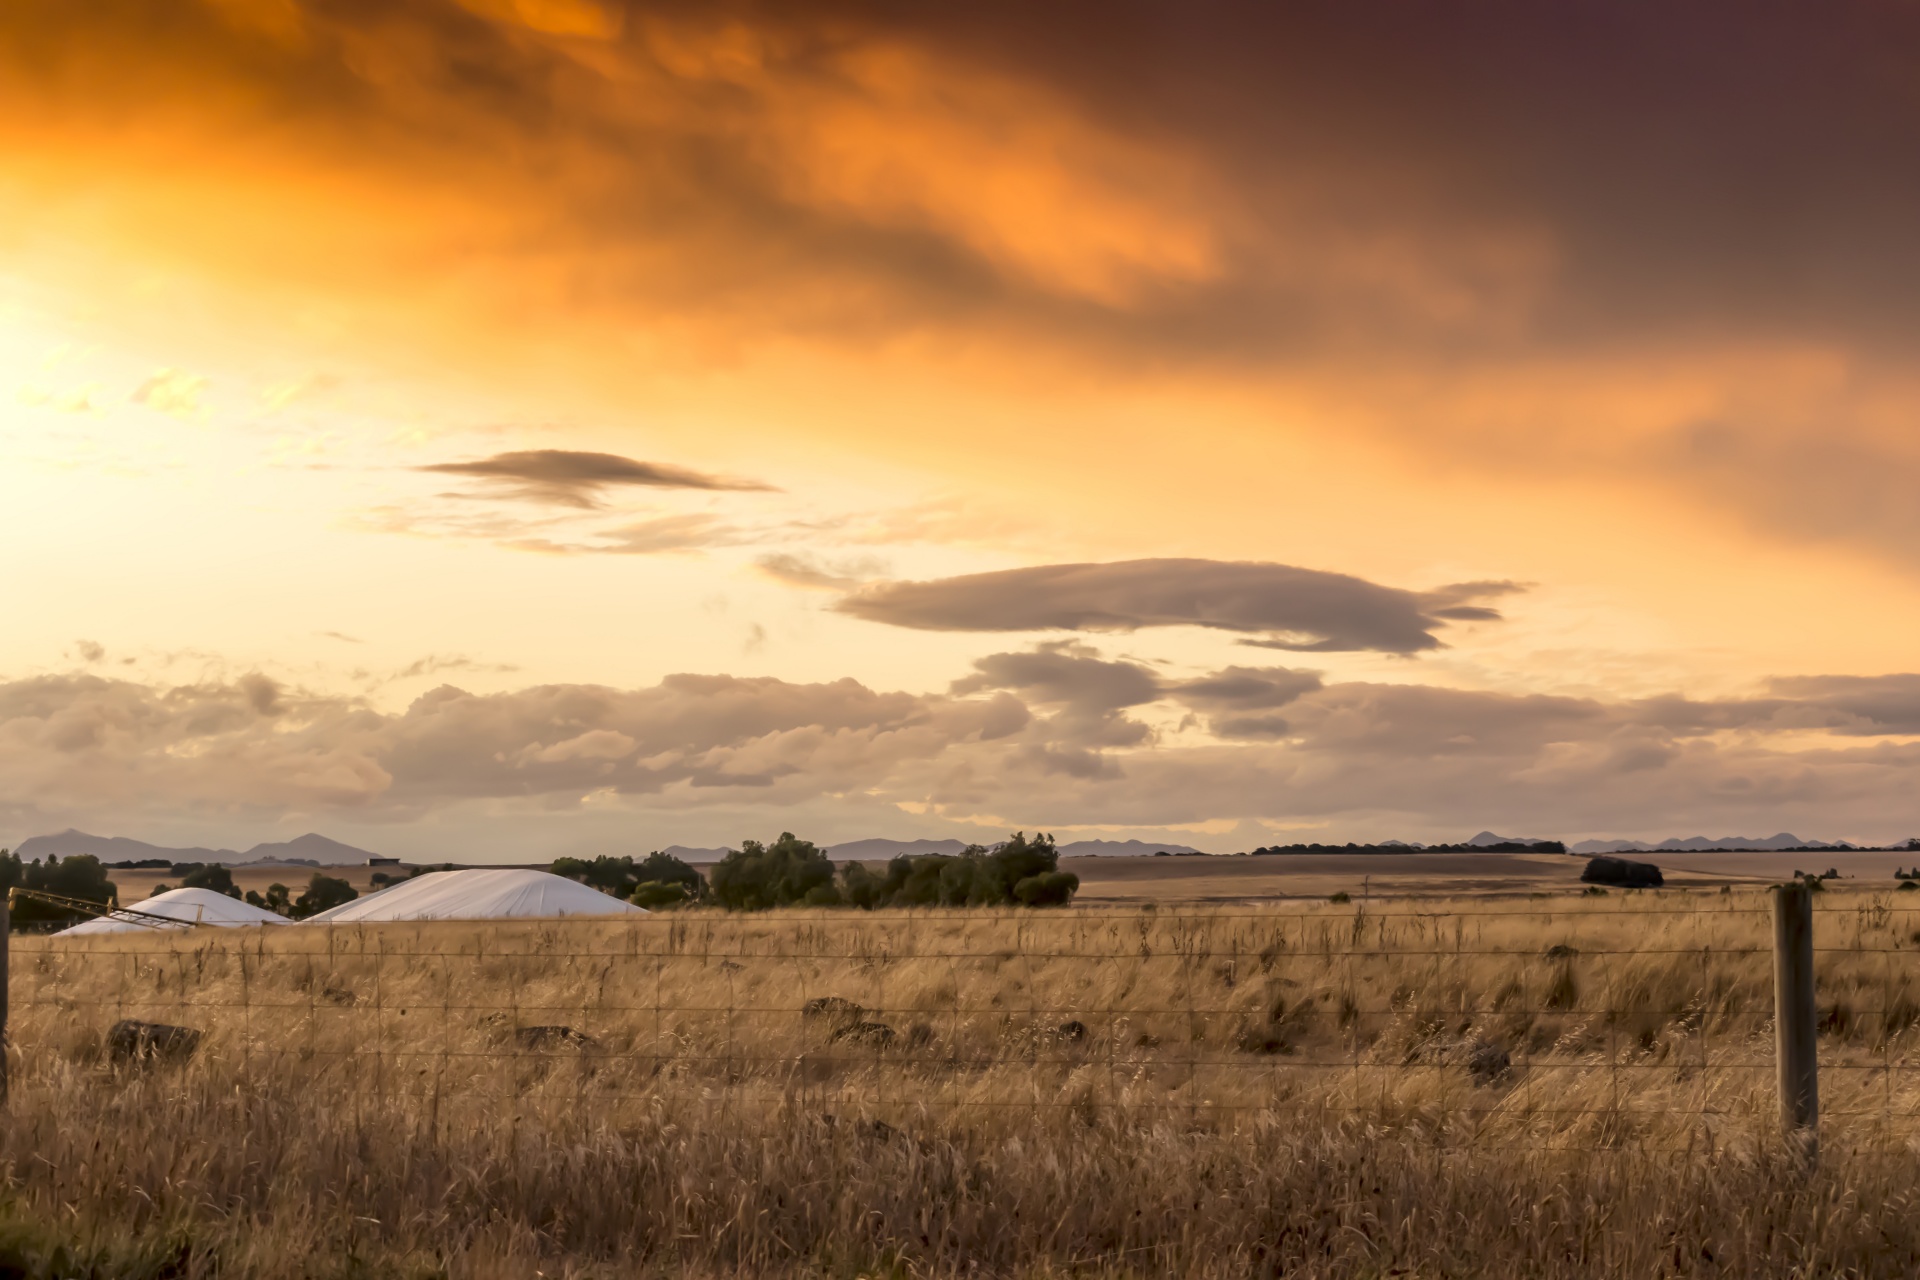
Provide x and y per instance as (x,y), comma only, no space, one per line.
(1447,1088)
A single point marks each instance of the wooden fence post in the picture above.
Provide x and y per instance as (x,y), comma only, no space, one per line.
(6,946)
(1796,1046)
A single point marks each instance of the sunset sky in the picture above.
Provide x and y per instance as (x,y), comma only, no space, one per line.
(493,429)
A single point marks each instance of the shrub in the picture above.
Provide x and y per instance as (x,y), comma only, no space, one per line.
(1048,889)
(1342,896)
(657,894)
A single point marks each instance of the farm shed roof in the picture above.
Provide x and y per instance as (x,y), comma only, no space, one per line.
(479,895)
(188,906)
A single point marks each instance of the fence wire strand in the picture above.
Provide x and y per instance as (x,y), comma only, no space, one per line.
(1475,1026)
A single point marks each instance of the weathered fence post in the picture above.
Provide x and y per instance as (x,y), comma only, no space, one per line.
(6,946)
(1796,1047)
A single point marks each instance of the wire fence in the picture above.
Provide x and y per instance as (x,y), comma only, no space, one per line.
(1583,1026)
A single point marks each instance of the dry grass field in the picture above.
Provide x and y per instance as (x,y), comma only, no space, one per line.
(1555,1086)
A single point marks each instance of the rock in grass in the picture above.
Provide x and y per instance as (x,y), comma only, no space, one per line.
(832,1009)
(1488,1063)
(877,1035)
(1262,1040)
(132,1041)
(551,1037)
(1483,1060)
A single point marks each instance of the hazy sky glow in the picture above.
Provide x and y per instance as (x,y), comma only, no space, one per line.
(512,427)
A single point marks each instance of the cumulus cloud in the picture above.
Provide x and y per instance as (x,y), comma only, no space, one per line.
(570,478)
(1303,610)
(1243,702)
(1048,736)
(1086,693)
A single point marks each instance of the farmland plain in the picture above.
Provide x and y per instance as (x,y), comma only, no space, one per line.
(1488,1084)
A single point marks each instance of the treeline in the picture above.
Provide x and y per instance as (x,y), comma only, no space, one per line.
(83,877)
(655,881)
(79,876)
(792,872)
(323,892)
(1504,846)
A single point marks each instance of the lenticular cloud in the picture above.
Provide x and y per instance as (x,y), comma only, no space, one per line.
(1306,610)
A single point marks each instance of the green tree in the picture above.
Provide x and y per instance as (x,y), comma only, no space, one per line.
(1020,871)
(211,875)
(323,893)
(755,877)
(277,899)
(81,876)
(860,887)
(622,877)
(609,875)
(666,881)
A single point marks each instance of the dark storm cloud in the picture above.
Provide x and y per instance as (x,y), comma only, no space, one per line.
(1469,178)
(1676,179)
(566,477)
(1305,610)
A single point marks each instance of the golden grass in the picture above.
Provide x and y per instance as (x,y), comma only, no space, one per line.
(1558,1087)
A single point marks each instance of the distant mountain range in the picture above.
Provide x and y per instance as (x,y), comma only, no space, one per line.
(1702,844)
(319,850)
(312,847)
(686,854)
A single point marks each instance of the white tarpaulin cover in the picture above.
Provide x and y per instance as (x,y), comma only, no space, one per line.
(189,906)
(479,895)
